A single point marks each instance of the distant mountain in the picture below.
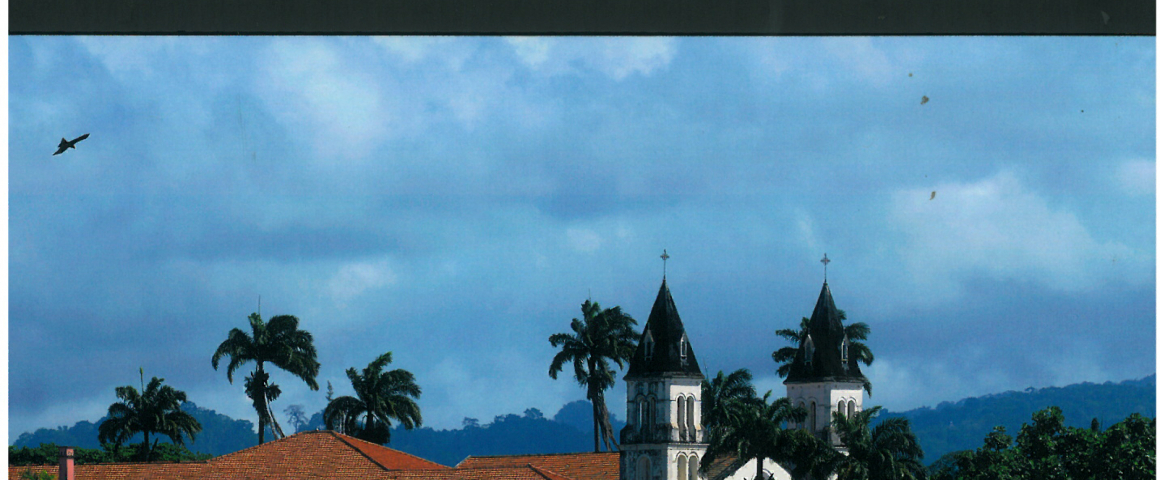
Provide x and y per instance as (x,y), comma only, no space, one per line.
(951,426)
(220,434)
(961,425)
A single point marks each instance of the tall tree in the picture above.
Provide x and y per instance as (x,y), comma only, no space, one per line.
(855,332)
(888,451)
(279,343)
(603,336)
(379,397)
(757,431)
(725,398)
(156,409)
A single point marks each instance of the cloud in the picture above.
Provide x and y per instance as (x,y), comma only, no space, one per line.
(338,106)
(995,227)
(355,278)
(1137,177)
(617,57)
(584,240)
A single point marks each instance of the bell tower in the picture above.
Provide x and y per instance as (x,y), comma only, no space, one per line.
(824,378)
(664,439)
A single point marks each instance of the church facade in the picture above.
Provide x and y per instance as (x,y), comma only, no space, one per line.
(664,439)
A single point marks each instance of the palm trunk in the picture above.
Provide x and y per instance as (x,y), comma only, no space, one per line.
(595,425)
(145,447)
(759,469)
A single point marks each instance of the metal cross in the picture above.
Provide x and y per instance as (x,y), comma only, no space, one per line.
(825,266)
(665,259)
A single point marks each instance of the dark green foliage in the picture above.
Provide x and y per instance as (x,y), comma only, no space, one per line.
(46,454)
(30,475)
(279,343)
(154,410)
(602,337)
(380,396)
(219,434)
(505,435)
(955,426)
(1048,449)
(886,451)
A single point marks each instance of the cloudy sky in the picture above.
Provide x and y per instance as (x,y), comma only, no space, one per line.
(455,200)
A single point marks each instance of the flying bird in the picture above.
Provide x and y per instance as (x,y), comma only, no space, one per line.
(65,144)
(932,195)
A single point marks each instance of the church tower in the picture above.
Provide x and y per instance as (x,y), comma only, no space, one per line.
(824,378)
(664,439)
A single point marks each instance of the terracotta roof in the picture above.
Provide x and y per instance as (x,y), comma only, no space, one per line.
(121,471)
(666,330)
(306,455)
(576,466)
(723,466)
(522,472)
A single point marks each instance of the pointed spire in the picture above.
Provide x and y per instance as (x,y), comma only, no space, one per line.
(671,351)
(827,333)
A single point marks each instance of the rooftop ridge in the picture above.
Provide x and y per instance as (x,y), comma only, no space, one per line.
(348,440)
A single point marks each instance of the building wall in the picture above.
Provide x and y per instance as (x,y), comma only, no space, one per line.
(827,397)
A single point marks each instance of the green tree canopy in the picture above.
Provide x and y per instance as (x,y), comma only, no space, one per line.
(379,397)
(156,409)
(602,337)
(279,343)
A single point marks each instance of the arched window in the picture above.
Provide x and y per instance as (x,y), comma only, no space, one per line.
(682,467)
(805,422)
(842,406)
(850,408)
(690,417)
(694,466)
(643,469)
(681,418)
(813,416)
(684,347)
(845,350)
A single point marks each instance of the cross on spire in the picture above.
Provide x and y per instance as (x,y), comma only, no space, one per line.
(665,259)
(825,266)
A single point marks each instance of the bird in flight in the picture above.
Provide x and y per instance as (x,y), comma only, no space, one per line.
(65,144)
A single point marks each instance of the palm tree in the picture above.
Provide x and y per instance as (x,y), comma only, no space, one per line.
(757,432)
(725,398)
(889,451)
(380,396)
(155,409)
(855,332)
(279,343)
(603,336)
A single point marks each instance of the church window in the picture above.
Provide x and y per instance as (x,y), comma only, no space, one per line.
(850,408)
(643,469)
(684,347)
(845,350)
(682,467)
(681,418)
(694,465)
(842,406)
(648,346)
(813,416)
(689,418)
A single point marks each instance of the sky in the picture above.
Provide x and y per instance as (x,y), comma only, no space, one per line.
(988,204)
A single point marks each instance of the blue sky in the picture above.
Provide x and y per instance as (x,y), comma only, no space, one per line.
(454,200)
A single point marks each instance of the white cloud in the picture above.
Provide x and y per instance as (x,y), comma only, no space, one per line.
(453,52)
(355,278)
(617,57)
(995,227)
(584,240)
(310,87)
(861,57)
(1137,177)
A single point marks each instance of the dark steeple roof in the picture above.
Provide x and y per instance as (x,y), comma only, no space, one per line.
(666,333)
(826,334)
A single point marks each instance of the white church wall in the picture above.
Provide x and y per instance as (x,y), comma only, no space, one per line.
(772,470)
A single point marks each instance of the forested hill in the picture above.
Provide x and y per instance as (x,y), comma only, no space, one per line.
(948,427)
(962,425)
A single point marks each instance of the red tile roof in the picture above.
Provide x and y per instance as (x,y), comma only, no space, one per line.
(577,466)
(303,456)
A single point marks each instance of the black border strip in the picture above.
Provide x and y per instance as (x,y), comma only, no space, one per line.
(584,17)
